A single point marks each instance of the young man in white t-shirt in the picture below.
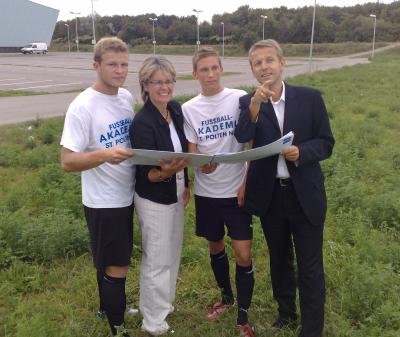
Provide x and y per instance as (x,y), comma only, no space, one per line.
(210,120)
(95,141)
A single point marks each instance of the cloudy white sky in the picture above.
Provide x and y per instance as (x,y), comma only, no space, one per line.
(178,7)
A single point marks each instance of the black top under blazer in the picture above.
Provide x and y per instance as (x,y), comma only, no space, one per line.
(306,116)
(150,131)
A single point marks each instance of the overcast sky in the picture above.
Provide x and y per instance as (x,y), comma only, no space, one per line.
(178,7)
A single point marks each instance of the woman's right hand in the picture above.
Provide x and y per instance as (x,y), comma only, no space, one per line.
(168,169)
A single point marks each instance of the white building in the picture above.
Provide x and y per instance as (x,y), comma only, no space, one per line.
(23,22)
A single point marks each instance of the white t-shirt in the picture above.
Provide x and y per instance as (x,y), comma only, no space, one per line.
(96,121)
(180,176)
(210,122)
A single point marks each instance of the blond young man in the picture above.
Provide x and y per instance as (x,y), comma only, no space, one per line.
(95,142)
(210,120)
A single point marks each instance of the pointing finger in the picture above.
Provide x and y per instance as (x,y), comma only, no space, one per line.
(266,84)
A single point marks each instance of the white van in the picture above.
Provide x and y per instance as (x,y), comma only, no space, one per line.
(35,47)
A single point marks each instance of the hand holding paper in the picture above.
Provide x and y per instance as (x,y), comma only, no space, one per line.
(291,153)
(151,157)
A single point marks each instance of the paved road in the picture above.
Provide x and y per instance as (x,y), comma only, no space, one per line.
(57,73)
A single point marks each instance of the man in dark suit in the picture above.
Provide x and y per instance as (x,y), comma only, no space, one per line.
(287,191)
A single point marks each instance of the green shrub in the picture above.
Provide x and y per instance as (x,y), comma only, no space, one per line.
(30,142)
(9,300)
(51,234)
(7,156)
(6,257)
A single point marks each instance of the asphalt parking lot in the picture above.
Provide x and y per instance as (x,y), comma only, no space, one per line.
(61,72)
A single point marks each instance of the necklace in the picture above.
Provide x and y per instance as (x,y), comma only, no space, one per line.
(166,115)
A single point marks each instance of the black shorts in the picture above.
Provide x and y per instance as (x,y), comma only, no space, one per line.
(212,214)
(111,235)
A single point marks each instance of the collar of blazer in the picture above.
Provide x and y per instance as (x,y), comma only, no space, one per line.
(290,91)
(291,108)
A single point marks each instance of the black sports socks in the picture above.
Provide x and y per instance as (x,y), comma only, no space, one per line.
(244,286)
(220,267)
(114,300)
(100,276)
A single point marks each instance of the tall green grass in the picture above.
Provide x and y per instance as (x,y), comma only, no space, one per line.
(290,49)
(47,282)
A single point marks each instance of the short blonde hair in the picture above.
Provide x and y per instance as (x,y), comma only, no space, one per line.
(106,44)
(149,67)
(202,53)
(270,43)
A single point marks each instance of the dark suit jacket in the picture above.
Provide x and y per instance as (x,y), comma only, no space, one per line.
(150,131)
(306,116)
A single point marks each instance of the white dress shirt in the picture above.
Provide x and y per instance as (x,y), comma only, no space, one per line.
(282,171)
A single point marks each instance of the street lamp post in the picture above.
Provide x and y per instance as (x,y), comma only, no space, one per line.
(198,36)
(312,38)
(76,29)
(154,36)
(69,45)
(373,39)
(263,17)
(223,39)
(94,32)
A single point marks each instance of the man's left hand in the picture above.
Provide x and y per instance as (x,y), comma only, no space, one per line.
(291,153)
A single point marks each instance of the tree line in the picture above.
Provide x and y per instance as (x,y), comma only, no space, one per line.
(244,26)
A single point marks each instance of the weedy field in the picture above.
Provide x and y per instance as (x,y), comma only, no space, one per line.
(48,285)
(290,49)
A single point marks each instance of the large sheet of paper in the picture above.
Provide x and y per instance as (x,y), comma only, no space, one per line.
(152,157)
